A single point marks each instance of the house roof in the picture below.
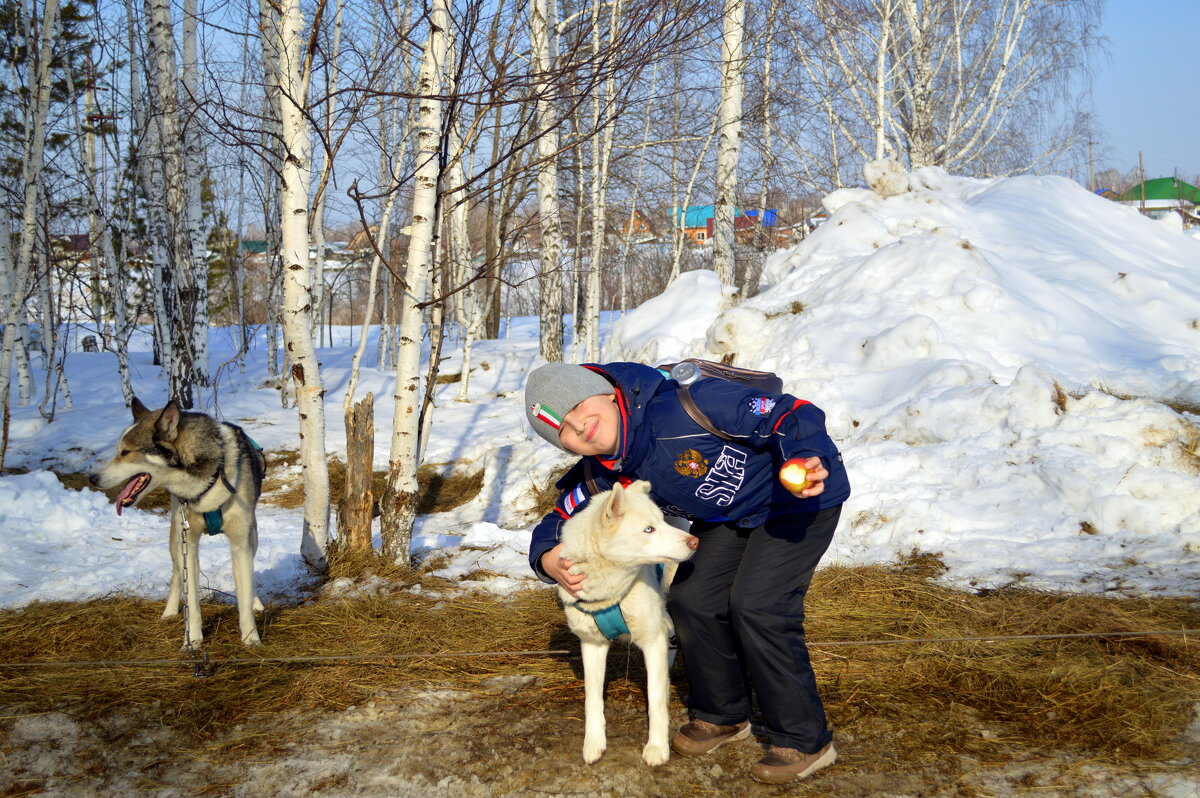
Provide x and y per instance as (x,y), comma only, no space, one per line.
(1163,188)
(768,220)
(698,216)
(694,215)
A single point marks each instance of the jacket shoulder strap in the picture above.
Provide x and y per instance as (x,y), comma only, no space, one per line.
(589,477)
(689,405)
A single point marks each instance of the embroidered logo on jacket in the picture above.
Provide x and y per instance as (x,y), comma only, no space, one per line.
(761,405)
(725,478)
(691,464)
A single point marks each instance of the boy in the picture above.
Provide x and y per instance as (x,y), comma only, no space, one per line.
(738,604)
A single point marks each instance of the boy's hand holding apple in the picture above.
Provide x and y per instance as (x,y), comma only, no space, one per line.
(803,477)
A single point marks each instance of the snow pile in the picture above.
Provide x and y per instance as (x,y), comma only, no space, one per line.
(993,357)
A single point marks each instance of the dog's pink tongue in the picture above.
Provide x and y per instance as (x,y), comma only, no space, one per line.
(127,493)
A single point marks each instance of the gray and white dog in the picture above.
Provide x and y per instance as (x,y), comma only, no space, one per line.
(209,468)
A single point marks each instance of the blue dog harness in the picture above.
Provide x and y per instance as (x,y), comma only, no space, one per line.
(609,620)
(214,522)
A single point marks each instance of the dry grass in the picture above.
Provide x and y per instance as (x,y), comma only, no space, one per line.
(437,490)
(1116,697)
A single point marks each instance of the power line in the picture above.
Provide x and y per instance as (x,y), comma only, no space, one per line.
(386,659)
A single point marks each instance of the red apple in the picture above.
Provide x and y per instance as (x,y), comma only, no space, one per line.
(794,475)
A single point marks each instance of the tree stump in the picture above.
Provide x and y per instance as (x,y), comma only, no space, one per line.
(354,510)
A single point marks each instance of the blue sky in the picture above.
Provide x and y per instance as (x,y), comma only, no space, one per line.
(1146,94)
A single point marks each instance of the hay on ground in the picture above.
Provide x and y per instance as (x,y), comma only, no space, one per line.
(1114,697)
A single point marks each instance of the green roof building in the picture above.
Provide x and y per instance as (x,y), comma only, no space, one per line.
(1162,196)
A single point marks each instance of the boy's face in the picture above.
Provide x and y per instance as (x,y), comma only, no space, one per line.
(591,428)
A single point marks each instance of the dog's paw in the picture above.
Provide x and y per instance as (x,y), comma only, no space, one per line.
(594,749)
(251,639)
(656,754)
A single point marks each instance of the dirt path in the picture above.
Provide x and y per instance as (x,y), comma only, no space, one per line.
(501,740)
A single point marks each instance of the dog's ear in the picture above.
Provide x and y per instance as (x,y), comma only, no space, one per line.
(167,425)
(641,486)
(138,408)
(614,507)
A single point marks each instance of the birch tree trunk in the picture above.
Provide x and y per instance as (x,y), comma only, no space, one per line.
(286,40)
(238,260)
(398,505)
(882,77)
(550,299)
(471,300)
(150,174)
(919,20)
(729,138)
(372,286)
(31,181)
(601,152)
(681,211)
(318,214)
(749,281)
(189,321)
(104,262)
(196,311)
(55,376)
(272,136)
(633,199)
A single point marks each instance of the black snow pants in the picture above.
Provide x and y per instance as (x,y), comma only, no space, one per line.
(738,609)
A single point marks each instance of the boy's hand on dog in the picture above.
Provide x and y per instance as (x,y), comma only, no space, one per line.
(816,476)
(562,570)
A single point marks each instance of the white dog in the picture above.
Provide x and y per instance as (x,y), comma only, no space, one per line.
(617,539)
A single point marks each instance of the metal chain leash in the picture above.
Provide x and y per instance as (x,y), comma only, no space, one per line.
(201,666)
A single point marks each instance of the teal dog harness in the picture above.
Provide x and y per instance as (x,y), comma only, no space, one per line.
(609,620)
(214,522)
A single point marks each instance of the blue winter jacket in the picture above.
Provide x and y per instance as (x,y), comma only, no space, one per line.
(693,473)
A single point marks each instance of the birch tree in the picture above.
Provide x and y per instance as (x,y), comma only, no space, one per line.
(192,177)
(284,37)
(398,504)
(186,301)
(550,299)
(729,132)
(39,81)
(603,105)
(100,239)
(978,87)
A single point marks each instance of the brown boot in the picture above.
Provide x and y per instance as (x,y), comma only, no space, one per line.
(781,765)
(701,737)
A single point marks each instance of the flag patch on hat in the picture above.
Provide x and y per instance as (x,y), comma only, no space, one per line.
(546,416)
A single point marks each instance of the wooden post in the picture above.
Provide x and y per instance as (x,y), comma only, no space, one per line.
(1142,174)
(354,510)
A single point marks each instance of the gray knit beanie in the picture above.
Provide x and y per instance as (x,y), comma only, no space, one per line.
(553,390)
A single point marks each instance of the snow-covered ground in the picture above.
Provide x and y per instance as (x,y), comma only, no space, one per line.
(998,360)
